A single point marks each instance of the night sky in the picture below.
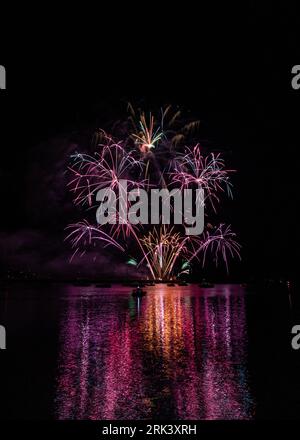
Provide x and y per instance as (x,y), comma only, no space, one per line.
(231,69)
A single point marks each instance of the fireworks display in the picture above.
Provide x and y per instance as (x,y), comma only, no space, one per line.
(151,154)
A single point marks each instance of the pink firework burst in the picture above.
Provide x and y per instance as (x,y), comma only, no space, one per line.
(192,169)
(83,235)
(104,169)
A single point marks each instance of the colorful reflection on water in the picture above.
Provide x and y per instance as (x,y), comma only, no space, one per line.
(179,352)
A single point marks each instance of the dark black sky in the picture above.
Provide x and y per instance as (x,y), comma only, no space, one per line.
(230,68)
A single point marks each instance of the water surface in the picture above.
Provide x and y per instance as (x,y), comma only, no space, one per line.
(179,352)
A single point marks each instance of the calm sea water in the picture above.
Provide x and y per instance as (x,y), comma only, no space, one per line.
(98,353)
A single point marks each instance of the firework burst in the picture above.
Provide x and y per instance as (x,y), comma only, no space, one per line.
(192,169)
(221,243)
(165,250)
(105,169)
(83,236)
(147,136)
(163,247)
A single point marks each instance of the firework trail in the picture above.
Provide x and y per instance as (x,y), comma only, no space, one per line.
(147,137)
(221,243)
(163,247)
(83,235)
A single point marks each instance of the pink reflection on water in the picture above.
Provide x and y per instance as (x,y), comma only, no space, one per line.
(177,353)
